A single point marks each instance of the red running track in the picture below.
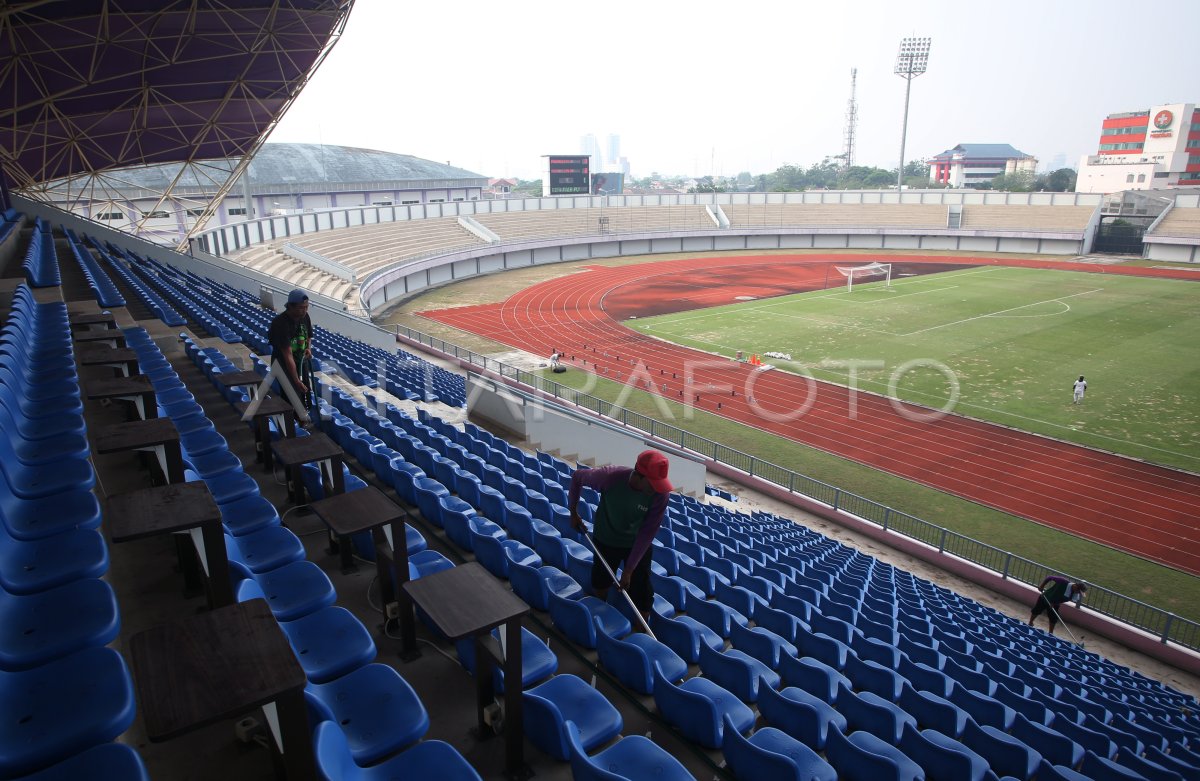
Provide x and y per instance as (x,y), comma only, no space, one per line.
(1146,510)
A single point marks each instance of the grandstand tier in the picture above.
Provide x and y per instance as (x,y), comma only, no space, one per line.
(778,650)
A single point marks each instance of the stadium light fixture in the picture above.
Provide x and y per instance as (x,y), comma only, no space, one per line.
(911,62)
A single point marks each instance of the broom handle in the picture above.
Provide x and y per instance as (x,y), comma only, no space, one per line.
(613,575)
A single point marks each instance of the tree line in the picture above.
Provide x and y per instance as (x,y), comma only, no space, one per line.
(830,175)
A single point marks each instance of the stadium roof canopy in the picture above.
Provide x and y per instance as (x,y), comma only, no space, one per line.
(94,85)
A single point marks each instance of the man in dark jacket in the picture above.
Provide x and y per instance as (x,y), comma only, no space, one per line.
(1056,591)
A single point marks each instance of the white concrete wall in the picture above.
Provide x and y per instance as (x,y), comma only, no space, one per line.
(1111,177)
(1176,253)
(591,441)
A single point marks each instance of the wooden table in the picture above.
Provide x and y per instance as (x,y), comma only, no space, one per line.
(156,435)
(297,451)
(369,508)
(121,358)
(269,407)
(173,508)
(85,321)
(136,389)
(467,601)
(217,665)
(241,379)
(111,336)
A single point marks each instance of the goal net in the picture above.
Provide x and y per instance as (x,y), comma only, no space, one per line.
(867,272)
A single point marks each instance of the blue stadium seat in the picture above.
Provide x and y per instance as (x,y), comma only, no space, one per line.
(861,756)
(814,676)
(633,757)
(376,709)
(1006,755)
(62,708)
(105,762)
(934,712)
(637,658)
(565,707)
(738,672)
(38,628)
(770,753)
(874,714)
(684,635)
(698,709)
(428,759)
(944,757)
(581,619)
(801,715)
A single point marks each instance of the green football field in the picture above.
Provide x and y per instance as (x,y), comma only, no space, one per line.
(995,343)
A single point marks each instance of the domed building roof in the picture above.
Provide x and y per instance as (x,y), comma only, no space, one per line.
(344,164)
(301,168)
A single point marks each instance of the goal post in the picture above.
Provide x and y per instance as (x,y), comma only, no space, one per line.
(867,271)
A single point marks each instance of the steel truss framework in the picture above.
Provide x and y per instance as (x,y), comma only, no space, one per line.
(88,87)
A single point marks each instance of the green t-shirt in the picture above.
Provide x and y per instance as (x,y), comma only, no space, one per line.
(620,515)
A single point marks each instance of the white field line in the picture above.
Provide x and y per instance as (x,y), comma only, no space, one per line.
(1002,311)
(706,313)
(890,299)
(936,399)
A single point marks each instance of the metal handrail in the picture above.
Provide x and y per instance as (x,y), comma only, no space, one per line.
(1166,626)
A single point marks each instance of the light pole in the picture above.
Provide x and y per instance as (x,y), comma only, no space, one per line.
(911,62)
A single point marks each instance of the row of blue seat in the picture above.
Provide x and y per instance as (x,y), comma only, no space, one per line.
(638,661)
(455,529)
(106,293)
(554,589)
(363,713)
(564,716)
(63,695)
(829,605)
(119,265)
(198,308)
(41,259)
(406,375)
(481,530)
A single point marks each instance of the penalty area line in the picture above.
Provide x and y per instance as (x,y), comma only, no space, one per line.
(1002,311)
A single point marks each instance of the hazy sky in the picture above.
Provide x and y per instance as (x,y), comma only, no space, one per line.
(702,87)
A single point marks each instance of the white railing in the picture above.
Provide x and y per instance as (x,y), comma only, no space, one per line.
(318,261)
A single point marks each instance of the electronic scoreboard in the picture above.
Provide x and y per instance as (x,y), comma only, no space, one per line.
(567,175)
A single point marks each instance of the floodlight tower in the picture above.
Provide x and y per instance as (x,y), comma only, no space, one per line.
(910,63)
(851,122)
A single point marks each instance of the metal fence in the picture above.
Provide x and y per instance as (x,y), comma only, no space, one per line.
(1166,626)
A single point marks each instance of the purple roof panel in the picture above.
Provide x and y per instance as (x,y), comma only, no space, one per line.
(100,84)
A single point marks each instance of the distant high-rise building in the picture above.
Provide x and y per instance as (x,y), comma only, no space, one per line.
(612,151)
(589,145)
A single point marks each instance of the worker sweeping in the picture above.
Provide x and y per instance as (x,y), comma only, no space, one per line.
(1056,591)
(633,502)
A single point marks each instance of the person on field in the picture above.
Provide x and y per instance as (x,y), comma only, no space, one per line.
(1056,591)
(633,502)
(1080,388)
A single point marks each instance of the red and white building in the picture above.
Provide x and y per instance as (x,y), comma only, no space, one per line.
(972,165)
(1145,150)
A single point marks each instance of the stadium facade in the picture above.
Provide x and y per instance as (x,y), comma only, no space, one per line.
(281,179)
(972,165)
(1144,150)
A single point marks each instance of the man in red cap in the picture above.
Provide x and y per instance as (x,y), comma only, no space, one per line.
(632,505)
